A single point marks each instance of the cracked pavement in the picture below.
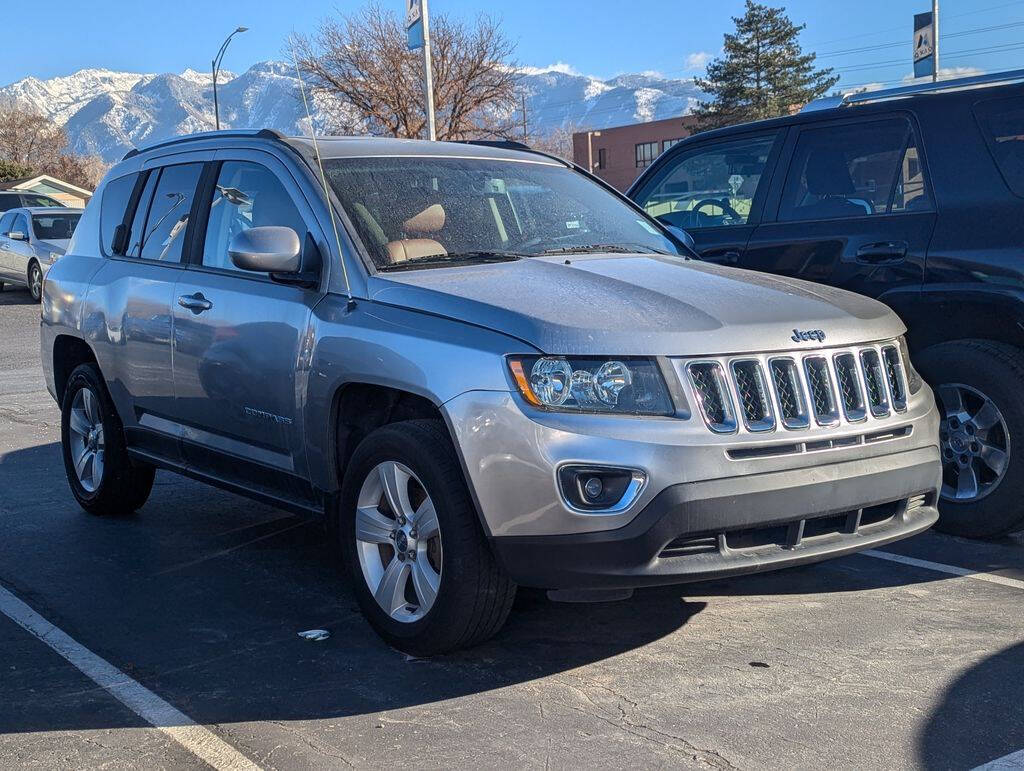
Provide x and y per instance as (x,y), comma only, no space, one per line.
(857,662)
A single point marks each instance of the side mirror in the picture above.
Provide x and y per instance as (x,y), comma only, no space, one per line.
(270,249)
(682,235)
(17,235)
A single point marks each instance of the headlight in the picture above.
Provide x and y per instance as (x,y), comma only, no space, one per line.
(914,381)
(54,256)
(627,386)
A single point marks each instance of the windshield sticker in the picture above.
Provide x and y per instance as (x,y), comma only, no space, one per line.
(572,225)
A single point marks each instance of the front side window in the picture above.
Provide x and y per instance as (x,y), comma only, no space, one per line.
(246,195)
(5,223)
(646,152)
(20,225)
(448,209)
(164,235)
(55,227)
(710,186)
(852,170)
(1002,123)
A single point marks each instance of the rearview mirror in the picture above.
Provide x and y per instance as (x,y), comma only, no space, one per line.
(17,235)
(270,249)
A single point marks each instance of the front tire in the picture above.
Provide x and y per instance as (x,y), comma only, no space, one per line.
(978,389)
(35,281)
(102,477)
(419,564)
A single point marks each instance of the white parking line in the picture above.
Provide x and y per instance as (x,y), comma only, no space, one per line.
(198,740)
(1015,760)
(992,578)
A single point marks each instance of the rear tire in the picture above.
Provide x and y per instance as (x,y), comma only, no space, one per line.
(102,477)
(978,389)
(35,281)
(471,595)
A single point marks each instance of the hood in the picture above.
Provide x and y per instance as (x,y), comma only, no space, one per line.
(642,305)
(59,245)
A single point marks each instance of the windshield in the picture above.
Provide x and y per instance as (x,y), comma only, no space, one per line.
(55,227)
(416,210)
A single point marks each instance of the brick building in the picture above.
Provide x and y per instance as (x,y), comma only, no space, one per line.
(618,155)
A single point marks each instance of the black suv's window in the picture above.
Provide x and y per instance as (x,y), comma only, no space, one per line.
(1002,123)
(9,201)
(247,195)
(709,186)
(167,220)
(116,196)
(854,170)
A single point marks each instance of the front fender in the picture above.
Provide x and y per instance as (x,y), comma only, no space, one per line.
(430,356)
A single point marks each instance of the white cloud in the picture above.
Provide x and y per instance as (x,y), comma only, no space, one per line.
(698,60)
(950,72)
(562,67)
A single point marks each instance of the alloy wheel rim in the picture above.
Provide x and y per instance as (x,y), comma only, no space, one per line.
(398,541)
(35,281)
(86,439)
(974,441)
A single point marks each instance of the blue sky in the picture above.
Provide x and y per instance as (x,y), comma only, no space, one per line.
(600,37)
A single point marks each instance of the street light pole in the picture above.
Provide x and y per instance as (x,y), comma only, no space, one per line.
(590,149)
(215,65)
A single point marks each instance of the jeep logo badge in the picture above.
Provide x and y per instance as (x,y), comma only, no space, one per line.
(808,334)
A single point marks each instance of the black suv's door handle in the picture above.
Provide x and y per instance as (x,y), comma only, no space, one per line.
(728,257)
(195,302)
(882,252)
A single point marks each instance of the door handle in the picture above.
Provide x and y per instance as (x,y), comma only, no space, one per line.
(728,257)
(882,252)
(195,302)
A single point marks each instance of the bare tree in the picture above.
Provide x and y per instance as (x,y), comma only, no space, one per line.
(29,138)
(362,61)
(557,141)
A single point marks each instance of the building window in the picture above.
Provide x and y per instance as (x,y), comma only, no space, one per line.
(669,143)
(602,158)
(646,152)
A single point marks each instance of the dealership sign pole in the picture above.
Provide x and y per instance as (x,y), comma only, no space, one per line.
(417,26)
(926,43)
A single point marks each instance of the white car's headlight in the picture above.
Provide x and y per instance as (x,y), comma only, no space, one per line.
(625,386)
(54,256)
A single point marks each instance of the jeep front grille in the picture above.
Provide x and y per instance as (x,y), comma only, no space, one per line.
(790,390)
(713,395)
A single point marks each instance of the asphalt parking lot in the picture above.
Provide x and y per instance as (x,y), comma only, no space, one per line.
(198,599)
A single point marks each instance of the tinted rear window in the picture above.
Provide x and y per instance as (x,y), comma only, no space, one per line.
(116,196)
(55,227)
(1002,123)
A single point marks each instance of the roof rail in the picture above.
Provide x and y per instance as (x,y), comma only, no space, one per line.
(865,97)
(507,144)
(263,133)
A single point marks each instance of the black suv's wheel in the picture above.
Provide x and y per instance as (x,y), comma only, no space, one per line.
(102,478)
(420,567)
(978,388)
(35,281)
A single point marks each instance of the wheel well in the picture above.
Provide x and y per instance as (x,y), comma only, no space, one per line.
(68,353)
(939,323)
(360,408)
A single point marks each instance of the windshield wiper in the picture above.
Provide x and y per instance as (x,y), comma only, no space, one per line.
(615,248)
(438,259)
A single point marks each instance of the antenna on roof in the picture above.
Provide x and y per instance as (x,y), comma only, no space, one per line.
(323,180)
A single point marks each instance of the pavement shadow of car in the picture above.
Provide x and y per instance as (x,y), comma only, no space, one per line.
(979,717)
(201,594)
(16,295)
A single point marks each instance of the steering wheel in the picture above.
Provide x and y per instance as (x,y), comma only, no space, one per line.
(721,204)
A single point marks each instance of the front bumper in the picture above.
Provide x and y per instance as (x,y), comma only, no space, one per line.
(725,527)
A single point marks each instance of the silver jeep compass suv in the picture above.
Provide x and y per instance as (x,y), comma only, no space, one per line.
(484,367)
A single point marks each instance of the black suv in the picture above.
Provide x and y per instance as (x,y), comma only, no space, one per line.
(914,196)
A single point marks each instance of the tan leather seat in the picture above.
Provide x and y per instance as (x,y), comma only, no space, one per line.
(410,248)
(430,220)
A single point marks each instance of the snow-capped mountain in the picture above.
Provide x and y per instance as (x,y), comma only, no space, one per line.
(108,113)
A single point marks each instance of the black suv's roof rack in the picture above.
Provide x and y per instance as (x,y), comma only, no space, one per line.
(263,133)
(865,97)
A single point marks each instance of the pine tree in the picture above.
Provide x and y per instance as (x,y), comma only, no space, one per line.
(764,72)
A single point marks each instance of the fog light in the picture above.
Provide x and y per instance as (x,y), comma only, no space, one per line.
(593,488)
(600,489)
